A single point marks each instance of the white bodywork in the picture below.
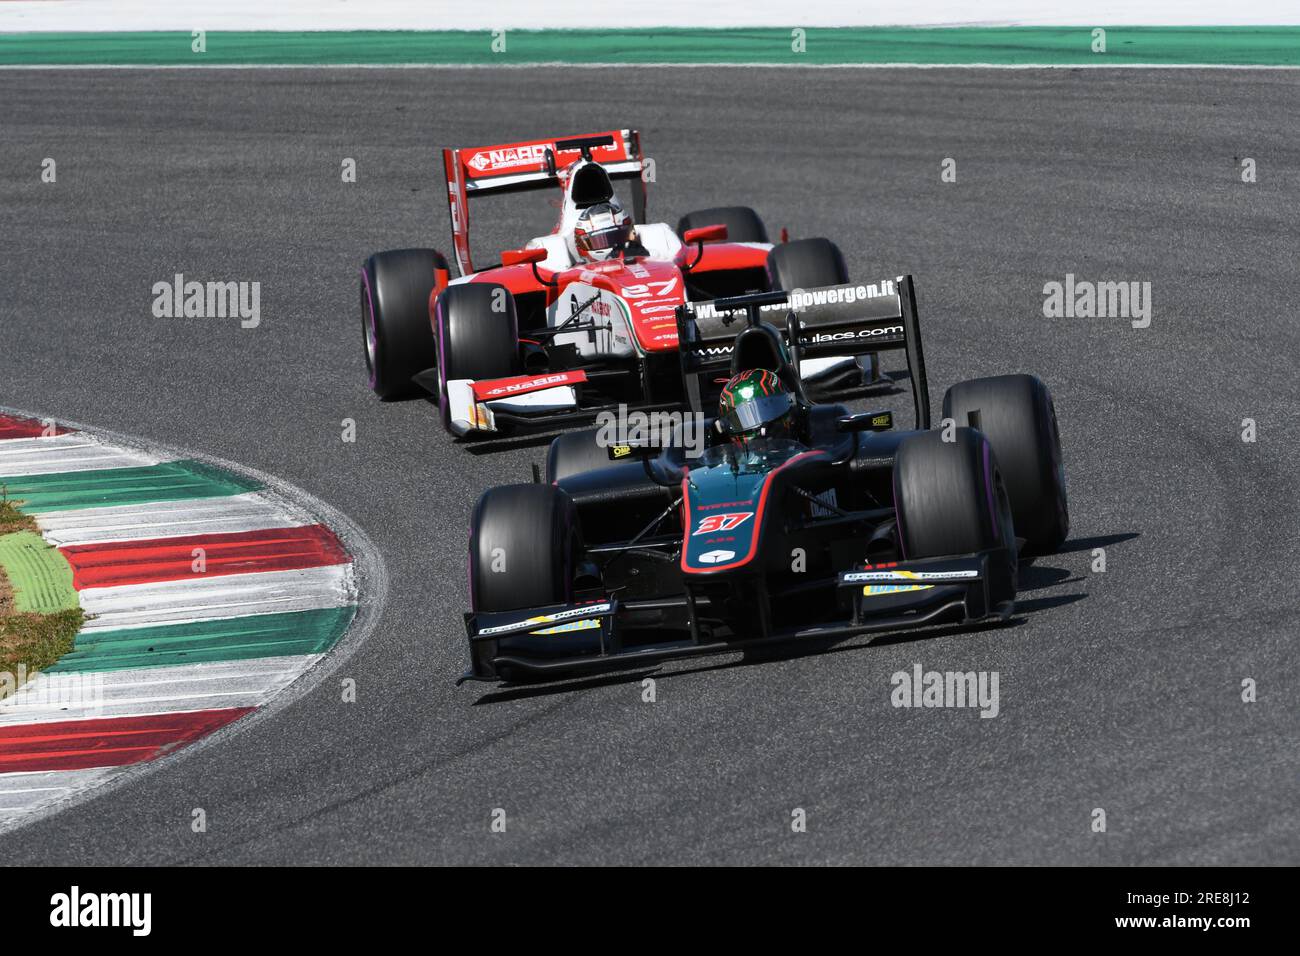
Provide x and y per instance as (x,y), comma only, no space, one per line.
(466,414)
(606,320)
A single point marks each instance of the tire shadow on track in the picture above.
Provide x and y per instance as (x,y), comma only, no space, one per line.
(1034,576)
(492,446)
(738,658)
(1097,541)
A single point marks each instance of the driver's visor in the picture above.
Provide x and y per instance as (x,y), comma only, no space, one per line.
(759,411)
(602,239)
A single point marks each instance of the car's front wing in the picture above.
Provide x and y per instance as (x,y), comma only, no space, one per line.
(571,640)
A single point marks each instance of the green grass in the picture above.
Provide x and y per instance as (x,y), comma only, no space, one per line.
(32,642)
(28,642)
(11,519)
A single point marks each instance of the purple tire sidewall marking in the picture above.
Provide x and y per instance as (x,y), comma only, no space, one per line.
(469,564)
(370,321)
(443,407)
(988,490)
(898,516)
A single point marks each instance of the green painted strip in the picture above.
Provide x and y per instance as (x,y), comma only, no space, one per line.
(169,481)
(1007,46)
(40,575)
(232,639)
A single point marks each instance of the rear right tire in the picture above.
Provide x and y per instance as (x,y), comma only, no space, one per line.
(810,264)
(806,264)
(743,224)
(1017,415)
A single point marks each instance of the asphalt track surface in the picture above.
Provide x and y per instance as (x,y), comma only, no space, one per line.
(1119,690)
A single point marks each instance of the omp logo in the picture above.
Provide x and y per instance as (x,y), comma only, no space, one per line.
(77,909)
(722,522)
(508,158)
(628,428)
(859,334)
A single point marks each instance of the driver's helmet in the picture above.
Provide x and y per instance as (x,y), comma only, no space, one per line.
(600,230)
(756,404)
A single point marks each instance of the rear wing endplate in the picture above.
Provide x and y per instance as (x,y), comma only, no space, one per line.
(533,164)
(846,319)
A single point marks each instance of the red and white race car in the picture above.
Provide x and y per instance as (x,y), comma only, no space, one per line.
(582,319)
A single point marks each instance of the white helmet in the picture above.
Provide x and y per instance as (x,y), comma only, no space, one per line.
(600,229)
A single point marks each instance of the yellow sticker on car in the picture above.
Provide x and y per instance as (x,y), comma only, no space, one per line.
(569,626)
(871,590)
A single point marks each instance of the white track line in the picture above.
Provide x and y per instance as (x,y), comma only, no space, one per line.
(23,792)
(168,519)
(20,457)
(232,595)
(142,691)
(327,15)
(561,64)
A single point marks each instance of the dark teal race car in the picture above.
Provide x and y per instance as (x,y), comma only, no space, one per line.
(826,527)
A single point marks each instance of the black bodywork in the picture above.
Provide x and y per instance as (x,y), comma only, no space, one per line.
(826,562)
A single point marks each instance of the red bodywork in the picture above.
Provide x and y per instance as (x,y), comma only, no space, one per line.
(523,384)
(477,170)
(652,288)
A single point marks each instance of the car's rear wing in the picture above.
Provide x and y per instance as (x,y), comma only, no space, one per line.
(533,164)
(848,319)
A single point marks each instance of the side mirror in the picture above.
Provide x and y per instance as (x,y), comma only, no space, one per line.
(866,422)
(663,473)
(705,234)
(514,257)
